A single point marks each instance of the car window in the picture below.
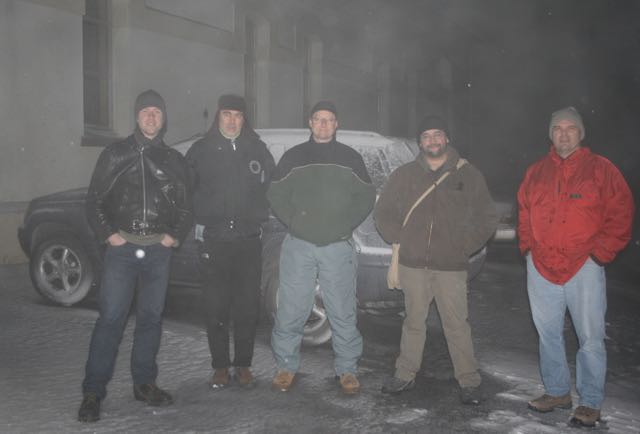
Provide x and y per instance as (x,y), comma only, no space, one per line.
(377,165)
(381,161)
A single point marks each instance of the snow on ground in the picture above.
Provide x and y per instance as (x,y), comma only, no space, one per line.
(43,349)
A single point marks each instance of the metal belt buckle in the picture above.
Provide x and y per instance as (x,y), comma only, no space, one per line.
(140,226)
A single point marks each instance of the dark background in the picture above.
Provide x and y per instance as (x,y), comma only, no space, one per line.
(513,62)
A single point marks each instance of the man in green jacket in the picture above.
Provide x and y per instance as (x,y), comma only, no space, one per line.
(321,191)
(452,222)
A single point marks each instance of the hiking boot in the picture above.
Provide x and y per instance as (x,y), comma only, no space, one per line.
(283,381)
(470,395)
(349,383)
(152,395)
(89,409)
(220,378)
(585,416)
(244,377)
(547,403)
(395,385)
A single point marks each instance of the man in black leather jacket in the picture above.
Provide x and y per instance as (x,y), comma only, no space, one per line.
(139,205)
(232,167)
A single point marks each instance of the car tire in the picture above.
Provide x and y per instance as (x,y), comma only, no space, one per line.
(317,329)
(61,270)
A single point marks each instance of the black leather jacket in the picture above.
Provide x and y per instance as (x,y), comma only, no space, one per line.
(141,190)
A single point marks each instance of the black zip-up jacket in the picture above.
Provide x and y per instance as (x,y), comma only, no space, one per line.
(140,189)
(231,180)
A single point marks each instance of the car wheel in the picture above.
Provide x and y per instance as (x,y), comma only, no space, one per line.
(61,270)
(317,329)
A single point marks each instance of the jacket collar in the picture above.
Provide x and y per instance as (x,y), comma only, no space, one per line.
(246,133)
(452,159)
(572,159)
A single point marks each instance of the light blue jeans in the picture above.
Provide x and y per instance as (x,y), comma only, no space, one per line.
(334,267)
(585,297)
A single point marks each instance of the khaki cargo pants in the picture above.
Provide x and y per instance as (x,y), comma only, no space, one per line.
(449,289)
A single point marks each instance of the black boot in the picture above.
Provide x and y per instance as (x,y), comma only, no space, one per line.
(89,409)
(152,395)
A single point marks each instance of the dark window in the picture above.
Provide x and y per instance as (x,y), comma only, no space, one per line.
(96,46)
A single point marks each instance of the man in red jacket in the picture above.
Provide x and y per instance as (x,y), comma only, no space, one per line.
(575,216)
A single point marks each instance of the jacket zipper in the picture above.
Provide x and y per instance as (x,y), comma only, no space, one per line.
(429,240)
(144,188)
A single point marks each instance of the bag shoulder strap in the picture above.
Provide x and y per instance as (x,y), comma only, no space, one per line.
(461,162)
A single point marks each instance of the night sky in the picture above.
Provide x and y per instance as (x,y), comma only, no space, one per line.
(526,59)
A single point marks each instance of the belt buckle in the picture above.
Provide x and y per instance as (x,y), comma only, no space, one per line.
(140,226)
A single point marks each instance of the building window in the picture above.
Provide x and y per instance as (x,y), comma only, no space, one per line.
(96,47)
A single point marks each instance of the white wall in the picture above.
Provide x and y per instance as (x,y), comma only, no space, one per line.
(41,101)
(189,62)
(189,75)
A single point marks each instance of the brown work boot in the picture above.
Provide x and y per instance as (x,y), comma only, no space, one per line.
(283,381)
(547,403)
(220,378)
(349,383)
(244,377)
(585,416)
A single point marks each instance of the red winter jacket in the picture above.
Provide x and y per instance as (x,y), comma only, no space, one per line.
(570,209)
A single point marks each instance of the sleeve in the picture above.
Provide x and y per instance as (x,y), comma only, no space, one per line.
(484,218)
(97,196)
(280,191)
(524,216)
(363,194)
(618,205)
(192,166)
(387,212)
(183,220)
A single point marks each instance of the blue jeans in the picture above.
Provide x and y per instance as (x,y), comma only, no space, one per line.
(585,297)
(122,272)
(334,267)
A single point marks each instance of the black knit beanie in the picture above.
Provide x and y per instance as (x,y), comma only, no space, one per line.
(149,98)
(432,122)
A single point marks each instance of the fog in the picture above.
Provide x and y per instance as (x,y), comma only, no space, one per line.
(508,64)
(495,69)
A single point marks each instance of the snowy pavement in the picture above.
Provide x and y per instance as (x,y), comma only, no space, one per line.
(43,349)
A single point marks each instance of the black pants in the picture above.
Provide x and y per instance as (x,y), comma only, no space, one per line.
(231,272)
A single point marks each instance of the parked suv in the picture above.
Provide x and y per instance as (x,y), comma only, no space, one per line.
(65,259)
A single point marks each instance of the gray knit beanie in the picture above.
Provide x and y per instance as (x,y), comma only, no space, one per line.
(569,114)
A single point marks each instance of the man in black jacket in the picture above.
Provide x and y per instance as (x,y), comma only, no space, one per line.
(232,167)
(139,205)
